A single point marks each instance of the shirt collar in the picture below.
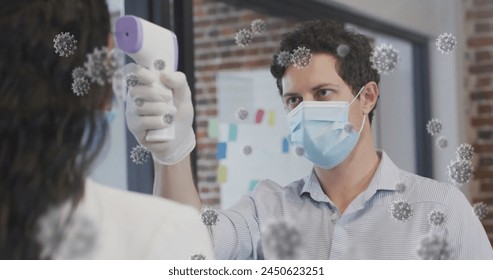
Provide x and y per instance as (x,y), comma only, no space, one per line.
(385,178)
(313,188)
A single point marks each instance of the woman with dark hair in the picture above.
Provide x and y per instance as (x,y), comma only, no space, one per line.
(49,139)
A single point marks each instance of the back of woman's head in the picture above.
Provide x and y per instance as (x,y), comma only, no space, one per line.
(49,136)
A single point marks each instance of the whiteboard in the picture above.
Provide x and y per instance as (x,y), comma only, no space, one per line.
(256,91)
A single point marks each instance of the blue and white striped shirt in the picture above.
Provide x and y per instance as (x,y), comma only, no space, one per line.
(368,229)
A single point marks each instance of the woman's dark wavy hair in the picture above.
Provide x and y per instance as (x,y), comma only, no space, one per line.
(49,137)
(324,37)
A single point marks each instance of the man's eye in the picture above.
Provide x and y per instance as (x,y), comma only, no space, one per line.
(324,92)
(293,100)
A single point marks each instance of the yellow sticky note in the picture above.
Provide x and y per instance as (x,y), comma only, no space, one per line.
(271,119)
(222,174)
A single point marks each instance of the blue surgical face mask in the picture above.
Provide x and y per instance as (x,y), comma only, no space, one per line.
(323,130)
(91,142)
(110,116)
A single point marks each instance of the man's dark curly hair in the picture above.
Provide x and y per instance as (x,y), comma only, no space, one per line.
(325,37)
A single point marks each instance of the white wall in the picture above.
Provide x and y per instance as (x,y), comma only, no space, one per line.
(430,18)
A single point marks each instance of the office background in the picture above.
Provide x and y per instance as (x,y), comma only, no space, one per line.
(455,88)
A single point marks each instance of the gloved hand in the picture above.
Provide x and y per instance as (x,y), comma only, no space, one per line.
(148,103)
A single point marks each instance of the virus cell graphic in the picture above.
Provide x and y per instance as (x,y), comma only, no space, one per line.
(465,151)
(243,37)
(118,84)
(139,101)
(81,240)
(400,187)
(342,50)
(65,44)
(209,216)
(77,233)
(401,210)
(132,80)
(437,218)
(258,26)
(434,248)
(480,209)
(81,86)
(139,154)
(116,59)
(301,57)
(434,127)
(159,64)
(299,151)
(168,118)
(101,65)
(197,257)
(445,43)
(242,114)
(281,240)
(384,59)
(348,128)
(50,231)
(78,72)
(247,150)
(283,58)
(442,142)
(459,171)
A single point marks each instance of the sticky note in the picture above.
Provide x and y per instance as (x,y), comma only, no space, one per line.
(253,184)
(213,129)
(259,116)
(271,118)
(233,132)
(285,145)
(221,150)
(222,174)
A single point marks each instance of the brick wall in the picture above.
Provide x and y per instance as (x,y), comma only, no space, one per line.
(479,88)
(215,25)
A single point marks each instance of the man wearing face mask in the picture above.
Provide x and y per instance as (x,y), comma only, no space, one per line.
(356,203)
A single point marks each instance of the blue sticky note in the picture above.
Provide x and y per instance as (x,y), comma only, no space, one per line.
(233,132)
(285,145)
(253,184)
(221,150)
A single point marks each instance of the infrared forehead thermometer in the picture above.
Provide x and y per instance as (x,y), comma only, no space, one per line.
(149,45)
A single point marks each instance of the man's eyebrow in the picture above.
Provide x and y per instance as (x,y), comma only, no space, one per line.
(315,88)
(319,86)
(290,94)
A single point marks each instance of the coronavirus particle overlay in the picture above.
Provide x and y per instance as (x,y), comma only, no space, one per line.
(301,57)
(446,43)
(243,37)
(385,59)
(65,44)
(139,154)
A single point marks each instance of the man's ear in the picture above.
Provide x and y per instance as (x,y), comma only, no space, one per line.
(369,97)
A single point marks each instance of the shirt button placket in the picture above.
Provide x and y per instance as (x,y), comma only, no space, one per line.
(338,245)
(334,217)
